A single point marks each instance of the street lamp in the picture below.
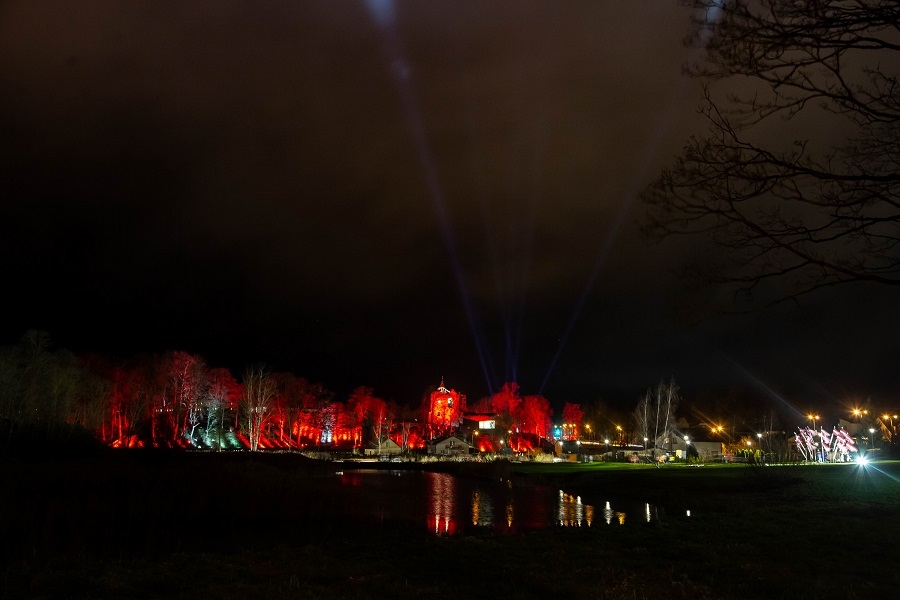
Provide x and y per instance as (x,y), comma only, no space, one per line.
(645,446)
(721,431)
(872,438)
(813,418)
(687,443)
(474,435)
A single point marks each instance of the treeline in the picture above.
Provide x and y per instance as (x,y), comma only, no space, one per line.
(175,399)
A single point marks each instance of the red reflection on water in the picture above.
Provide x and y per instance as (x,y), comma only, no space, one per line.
(351,478)
(441,501)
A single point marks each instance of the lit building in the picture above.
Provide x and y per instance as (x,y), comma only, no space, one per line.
(445,410)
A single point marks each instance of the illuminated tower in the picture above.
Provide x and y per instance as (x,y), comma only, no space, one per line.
(445,410)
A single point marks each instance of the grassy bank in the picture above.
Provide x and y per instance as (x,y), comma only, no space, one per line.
(154,525)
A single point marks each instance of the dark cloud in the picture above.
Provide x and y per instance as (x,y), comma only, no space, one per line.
(245,181)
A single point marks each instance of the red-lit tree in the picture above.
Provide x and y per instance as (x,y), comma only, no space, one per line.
(278,431)
(305,432)
(152,393)
(313,399)
(370,413)
(115,393)
(572,415)
(535,415)
(294,391)
(346,429)
(483,406)
(506,404)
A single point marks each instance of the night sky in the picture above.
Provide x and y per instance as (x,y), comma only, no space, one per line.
(385,194)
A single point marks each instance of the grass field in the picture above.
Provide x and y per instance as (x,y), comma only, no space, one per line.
(144,525)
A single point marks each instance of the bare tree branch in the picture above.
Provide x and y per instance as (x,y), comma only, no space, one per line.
(794,215)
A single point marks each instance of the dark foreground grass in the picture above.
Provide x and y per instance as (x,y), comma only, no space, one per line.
(204,526)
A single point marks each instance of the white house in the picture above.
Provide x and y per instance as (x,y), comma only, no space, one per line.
(449,446)
(706,448)
(387,447)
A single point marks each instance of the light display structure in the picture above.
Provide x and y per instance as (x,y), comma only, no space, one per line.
(837,446)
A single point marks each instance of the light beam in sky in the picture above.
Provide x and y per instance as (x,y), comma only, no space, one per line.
(713,15)
(510,262)
(612,234)
(382,12)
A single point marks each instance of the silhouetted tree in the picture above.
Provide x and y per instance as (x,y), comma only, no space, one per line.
(596,415)
(642,416)
(46,391)
(797,175)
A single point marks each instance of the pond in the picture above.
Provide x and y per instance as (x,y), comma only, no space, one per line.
(448,504)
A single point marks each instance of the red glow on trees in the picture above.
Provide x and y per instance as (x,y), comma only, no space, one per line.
(535,416)
(175,400)
(516,414)
(573,415)
(371,414)
(506,403)
(415,441)
(524,442)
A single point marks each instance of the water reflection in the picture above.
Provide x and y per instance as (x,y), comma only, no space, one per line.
(570,510)
(482,509)
(450,504)
(609,514)
(442,490)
